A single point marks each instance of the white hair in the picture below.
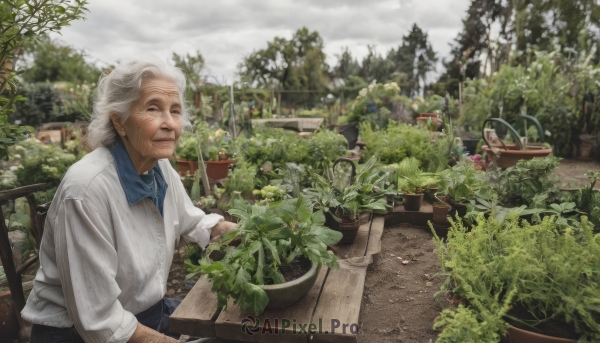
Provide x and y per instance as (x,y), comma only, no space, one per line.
(120,88)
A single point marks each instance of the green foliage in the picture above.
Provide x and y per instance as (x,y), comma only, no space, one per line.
(52,61)
(22,21)
(527,183)
(525,274)
(42,164)
(463,181)
(400,141)
(411,180)
(365,194)
(295,64)
(271,237)
(270,193)
(241,179)
(373,104)
(552,89)
(465,326)
(325,147)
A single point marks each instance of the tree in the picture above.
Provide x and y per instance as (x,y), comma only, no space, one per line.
(52,61)
(194,69)
(22,21)
(415,58)
(297,64)
(376,68)
(570,25)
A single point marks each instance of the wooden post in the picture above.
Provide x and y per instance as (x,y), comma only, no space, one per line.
(14,279)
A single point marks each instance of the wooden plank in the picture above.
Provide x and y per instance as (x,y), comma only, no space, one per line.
(358,247)
(196,314)
(418,218)
(340,301)
(374,246)
(228,324)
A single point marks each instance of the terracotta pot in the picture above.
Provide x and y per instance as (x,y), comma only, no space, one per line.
(288,293)
(510,157)
(187,167)
(413,202)
(516,335)
(218,169)
(9,324)
(440,213)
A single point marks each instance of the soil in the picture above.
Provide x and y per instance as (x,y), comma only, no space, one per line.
(569,173)
(398,301)
(295,269)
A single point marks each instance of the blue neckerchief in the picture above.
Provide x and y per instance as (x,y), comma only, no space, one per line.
(133,185)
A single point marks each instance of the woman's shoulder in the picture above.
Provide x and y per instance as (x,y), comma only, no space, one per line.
(94,172)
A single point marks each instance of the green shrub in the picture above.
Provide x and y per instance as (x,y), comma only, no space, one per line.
(525,274)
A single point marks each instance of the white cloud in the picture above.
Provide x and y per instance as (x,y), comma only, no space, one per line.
(226,30)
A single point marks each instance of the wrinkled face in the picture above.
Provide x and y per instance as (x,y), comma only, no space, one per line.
(155,120)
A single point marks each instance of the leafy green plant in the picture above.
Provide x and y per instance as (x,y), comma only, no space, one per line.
(462,182)
(524,274)
(411,180)
(271,238)
(270,193)
(21,21)
(400,141)
(373,104)
(362,195)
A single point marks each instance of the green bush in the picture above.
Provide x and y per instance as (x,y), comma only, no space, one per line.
(524,274)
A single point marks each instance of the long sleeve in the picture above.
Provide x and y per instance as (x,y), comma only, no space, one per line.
(87,263)
(194,223)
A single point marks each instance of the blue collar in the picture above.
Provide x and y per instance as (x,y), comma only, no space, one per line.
(133,185)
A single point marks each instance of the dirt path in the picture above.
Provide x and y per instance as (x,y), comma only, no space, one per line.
(570,172)
(398,303)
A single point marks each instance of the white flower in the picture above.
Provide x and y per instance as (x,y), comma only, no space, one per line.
(372,86)
(17,156)
(363,93)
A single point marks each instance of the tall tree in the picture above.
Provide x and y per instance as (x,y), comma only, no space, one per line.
(297,64)
(415,58)
(375,67)
(52,61)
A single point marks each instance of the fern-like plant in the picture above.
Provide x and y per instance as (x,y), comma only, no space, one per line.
(523,274)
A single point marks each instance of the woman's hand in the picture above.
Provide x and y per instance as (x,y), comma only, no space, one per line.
(220,230)
(144,334)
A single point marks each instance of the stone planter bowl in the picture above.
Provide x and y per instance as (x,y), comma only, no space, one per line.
(288,293)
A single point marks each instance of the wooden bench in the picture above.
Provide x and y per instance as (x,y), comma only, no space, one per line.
(328,313)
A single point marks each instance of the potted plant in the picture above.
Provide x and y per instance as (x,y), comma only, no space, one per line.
(342,202)
(278,259)
(217,155)
(459,184)
(413,183)
(535,277)
(187,154)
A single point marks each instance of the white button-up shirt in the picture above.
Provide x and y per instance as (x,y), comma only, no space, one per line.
(103,260)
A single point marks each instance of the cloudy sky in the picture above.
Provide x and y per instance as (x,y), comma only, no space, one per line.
(226,30)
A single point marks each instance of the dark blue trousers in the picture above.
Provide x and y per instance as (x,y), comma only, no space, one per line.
(156,317)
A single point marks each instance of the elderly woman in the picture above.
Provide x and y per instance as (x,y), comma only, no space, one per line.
(117,217)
